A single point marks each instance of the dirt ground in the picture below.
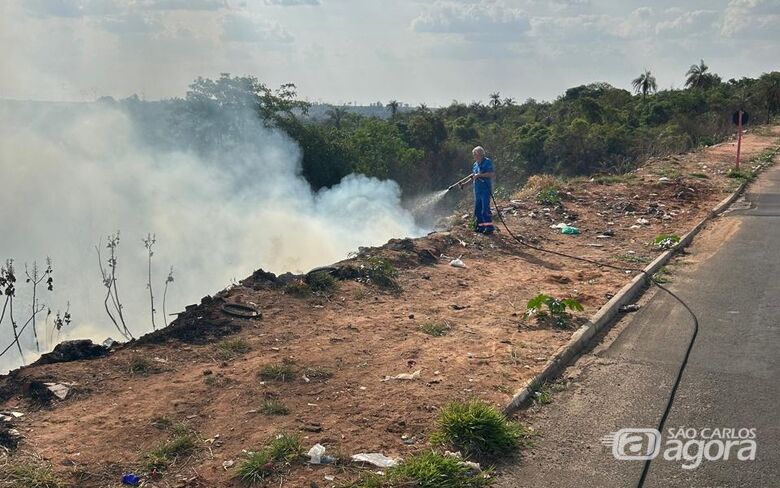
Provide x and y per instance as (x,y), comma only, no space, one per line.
(341,346)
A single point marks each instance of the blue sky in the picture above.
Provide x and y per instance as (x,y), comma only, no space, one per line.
(375,50)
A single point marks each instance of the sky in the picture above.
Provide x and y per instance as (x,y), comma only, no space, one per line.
(364,51)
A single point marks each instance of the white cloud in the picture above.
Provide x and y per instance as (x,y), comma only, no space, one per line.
(292,3)
(183,4)
(483,21)
(242,28)
(752,19)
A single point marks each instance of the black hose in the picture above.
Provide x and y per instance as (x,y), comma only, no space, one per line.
(673,392)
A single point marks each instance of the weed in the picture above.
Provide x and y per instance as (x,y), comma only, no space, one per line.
(662,276)
(317,374)
(613,179)
(702,176)
(504,389)
(635,258)
(284,371)
(28,474)
(230,348)
(321,282)
(142,366)
(477,428)
(426,470)
(665,241)
(739,174)
(434,329)
(548,196)
(556,308)
(544,394)
(257,466)
(183,443)
(273,407)
(297,288)
(380,272)
(216,380)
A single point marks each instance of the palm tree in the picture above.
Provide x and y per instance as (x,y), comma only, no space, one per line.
(509,101)
(645,83)
(393,105)
(697,75)
(495,100)
(336,115)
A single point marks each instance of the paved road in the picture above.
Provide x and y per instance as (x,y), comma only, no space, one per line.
(732,280)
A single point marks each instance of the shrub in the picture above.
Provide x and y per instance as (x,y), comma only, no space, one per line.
(297,289)
(740,174)
(556,308)
(321,282)
(548,196)
(477,428)
(257,466)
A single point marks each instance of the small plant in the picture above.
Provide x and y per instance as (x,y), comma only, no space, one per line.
(477,428)
(274,407)
(435,329)
(635,258)
(112,303)
(548,196)
(426,470)
(168,281)
(142,366)
(149,242)
(380,272)
(284,371)
(556,308)
(739,174)
(317,374)
(665,241)
(702,176)
(662,276)
(183,442)
(280,452)
(297,288)
(29,474)
(544,394)
(321,282)
(230,348)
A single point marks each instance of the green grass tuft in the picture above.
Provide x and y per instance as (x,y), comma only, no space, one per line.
(184,442)
(274,407)
(284,371)
(426,470)
(435,329)
(479,429)
(28,474)
(280,452)
(142,366)
(231,348)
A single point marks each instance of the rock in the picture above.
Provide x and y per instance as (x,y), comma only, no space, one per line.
(73,351)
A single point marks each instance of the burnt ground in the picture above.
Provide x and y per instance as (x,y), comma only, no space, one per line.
(339,346)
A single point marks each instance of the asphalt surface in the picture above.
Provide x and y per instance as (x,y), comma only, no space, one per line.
(732,380)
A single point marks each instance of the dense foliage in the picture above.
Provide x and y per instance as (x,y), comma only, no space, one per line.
(593,128)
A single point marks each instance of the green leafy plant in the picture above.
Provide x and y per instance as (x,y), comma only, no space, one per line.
(548,196)
(284,371)
(740,174)
(184,442)
(666,241)
(477,428)
(230,348)
(274,407)
(556,308)
(279,453)
(298,289)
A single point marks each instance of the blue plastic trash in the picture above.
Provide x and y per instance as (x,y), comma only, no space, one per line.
(131,479)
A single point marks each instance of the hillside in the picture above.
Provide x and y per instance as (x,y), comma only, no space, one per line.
(325,356)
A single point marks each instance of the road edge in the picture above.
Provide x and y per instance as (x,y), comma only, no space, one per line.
(580,339)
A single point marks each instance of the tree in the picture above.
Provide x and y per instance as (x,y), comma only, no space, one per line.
(645,83)
(495,100)
(698,77)
(336,115)
(393,105)
(509,102)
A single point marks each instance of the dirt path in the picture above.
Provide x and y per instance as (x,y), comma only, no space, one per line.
(340,347)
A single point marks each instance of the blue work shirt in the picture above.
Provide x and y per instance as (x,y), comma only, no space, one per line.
(483,184)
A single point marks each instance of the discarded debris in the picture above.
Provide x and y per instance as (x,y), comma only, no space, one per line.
(632,307)
(131,479)
(241,310)
(315,453)
(376,459)
(60,390)
(568,229)
(404,376)
(73,351)
(228,464)
(457,263)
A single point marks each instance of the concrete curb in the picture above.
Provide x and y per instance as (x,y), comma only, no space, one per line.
(580,338)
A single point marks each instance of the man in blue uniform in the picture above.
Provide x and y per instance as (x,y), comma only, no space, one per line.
(482,174)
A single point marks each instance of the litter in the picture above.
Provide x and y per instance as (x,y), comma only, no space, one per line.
(457,263)
(60,390)
(569,230)
(315,453)
(131,479)
(228,464)
(642,221)
(404,376)
(633,307)
(375,458)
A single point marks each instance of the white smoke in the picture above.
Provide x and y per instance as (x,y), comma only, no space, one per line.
(72,175)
